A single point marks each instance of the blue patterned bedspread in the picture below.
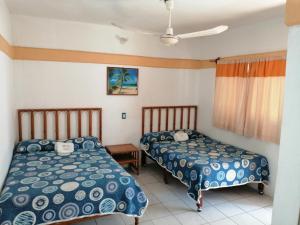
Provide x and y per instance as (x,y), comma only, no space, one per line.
(203,163)
(43,187)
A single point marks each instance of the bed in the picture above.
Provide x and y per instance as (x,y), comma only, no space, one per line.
(201,163)
(43,187)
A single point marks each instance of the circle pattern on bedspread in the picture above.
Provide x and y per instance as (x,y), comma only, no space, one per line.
(111,187)
(129,193)
(122,206)
(26,217)
(107,205)
(68,211)
(49,215)
(21,200)
(96,194)
(40,202)
(87,208)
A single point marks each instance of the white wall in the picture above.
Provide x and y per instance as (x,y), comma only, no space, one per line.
(44,84)
(7,131)
(269,35)
(287,194)
(51,84)
(41,84)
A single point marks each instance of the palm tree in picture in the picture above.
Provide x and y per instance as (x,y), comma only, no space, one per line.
(121,75)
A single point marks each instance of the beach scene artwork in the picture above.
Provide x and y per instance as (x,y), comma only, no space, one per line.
(122,81)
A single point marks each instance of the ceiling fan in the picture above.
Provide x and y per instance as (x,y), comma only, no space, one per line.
(169,38)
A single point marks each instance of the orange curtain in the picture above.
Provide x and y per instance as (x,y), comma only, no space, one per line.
(249,97)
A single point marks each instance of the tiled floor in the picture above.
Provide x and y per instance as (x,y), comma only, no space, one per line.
(170,205)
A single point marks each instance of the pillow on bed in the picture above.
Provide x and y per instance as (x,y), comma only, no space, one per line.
(87,143)
(181,136)
(151,137)
(35,145)
(167,135)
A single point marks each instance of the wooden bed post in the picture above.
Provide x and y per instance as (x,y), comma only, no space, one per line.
(260,187)
(200,204)
(165,172)
(143,158)
(136,221)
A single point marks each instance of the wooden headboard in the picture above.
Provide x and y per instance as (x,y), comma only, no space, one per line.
(165,118)
(38,123)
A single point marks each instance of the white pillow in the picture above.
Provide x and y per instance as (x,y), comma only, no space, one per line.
(181,136)
(63,148)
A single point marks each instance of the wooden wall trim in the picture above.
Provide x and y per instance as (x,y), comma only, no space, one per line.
(42,54)
(59,55)
(6,47)
(292,13)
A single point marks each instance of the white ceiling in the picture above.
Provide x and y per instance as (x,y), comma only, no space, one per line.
(151,15)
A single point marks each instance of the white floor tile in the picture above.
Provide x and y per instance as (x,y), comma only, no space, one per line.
(176,206)
(190,218)
(245,219)
(147,223)
(166,220)
(214,198)
(165,196)
(110,220)
(155,211)
(262,215)
(211,214)
(229,209)
(223,222)
(146,179)
(246,205)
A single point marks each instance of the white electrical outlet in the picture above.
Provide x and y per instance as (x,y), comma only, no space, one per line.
(124,116)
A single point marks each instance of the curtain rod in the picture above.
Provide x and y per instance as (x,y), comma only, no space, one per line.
(281,53)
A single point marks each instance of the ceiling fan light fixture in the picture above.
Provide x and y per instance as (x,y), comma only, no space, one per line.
(169,40)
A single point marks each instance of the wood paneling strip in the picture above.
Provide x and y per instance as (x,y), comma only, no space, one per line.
(45,124)
(292,13)
(60,55)
(68,124)
(79,123)
(43,54)
(6,47)
(32,124)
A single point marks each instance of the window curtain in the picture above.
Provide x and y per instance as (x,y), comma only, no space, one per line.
(249,97)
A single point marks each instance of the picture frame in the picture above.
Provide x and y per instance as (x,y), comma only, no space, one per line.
(122,81)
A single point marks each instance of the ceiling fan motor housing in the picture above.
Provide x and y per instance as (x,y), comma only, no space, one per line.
(168,39)
(169,4)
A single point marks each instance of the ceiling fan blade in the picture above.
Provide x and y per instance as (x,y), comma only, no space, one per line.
(134,30)
(212,31)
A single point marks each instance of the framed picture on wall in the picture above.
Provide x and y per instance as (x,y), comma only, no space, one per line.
(122,81)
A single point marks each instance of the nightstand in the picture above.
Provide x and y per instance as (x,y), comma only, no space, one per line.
(126,154)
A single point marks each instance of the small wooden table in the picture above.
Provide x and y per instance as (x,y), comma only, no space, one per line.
(126,154)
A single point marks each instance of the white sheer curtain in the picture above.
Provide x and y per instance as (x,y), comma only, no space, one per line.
(249,97)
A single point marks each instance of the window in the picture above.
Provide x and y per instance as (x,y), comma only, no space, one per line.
(249,97)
